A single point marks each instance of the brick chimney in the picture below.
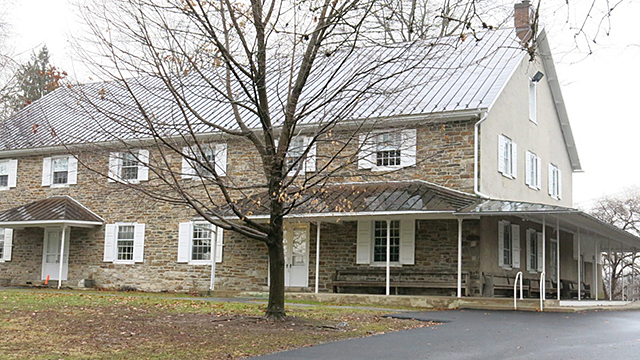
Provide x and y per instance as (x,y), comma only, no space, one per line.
(523,19)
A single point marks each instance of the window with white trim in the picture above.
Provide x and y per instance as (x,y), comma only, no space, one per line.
(555,182)
(59,171)
(201,241)
(380,241)
(508,245)
(6,244)
(195,240)
(8,173)
(200,161)
(534,170)
(297,147)
(2,243)
(124,242)
(129,166)
(532,250)
(507,157)
(387,150)
(533,102)
(4,174)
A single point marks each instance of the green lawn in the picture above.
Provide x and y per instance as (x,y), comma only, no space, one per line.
(41,324)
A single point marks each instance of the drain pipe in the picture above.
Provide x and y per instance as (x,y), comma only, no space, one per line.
(476,151)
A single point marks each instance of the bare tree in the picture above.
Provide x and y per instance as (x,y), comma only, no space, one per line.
(622,211)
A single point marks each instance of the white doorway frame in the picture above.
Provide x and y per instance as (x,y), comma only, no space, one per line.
(65,255)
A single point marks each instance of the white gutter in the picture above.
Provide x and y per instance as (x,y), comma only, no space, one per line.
(40,223)
(476,150)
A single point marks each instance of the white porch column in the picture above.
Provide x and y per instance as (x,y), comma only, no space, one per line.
(610,271)
(633,275)
(317,254)
(558,259)
(62,241)
(460,258)
(214,248)
(388,256)
(579,267)
(622,271)
(595,266)
(544,256)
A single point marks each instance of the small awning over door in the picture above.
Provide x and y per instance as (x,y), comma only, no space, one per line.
(56,210)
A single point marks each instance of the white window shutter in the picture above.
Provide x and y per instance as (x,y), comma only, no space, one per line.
(185,231)
(310,161)
(13,173)
(550,182)
(221,159)
(539,172)
(46,171)
(514,159)
(114,167)
(187,170)
(366,155)
(529,165)
(501,145)
(363,243)
(528,250)
(408,147)
(539,244)
(407,242)
(219,244)
(515,245)
(500,243)
(109,242)
(8,244)
(143,165)
(559,184)
(73,170)
(138,243)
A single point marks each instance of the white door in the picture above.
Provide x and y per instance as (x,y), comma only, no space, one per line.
(51,254)
(296,255)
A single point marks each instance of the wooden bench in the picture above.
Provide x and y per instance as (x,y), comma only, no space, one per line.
(399,278)
(503,284)
(570,290)
(551,288)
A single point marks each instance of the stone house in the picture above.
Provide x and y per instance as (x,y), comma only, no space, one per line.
(471,186)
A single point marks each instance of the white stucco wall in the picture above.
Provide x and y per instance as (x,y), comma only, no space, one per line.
(510,116)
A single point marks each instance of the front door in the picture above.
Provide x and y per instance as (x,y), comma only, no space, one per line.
(51,254)
(296,254)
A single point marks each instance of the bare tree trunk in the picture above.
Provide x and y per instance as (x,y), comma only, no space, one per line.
(275,307)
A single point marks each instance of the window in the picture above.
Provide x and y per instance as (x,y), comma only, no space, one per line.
(508,245)
(195,239)
(125,242)
(2,231)
(533,177)
(131,166)
(201,241)
(59,171)
(387,150)
(532,250)
(555,182)
(553,253)
(507,157)
(296,150)
(60,167)
(533,102)
(208,157)
(4,174)
(380,241)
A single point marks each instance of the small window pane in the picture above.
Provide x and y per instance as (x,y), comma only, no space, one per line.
(380,241)
(4,180)
(125,242)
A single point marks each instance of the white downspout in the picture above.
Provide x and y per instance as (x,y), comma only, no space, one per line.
(476,151)
(214,249)
(63,236)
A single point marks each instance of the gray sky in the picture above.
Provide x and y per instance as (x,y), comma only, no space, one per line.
(598,89)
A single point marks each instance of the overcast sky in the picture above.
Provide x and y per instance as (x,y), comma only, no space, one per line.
(600,90)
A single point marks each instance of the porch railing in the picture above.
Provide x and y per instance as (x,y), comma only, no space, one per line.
(515,290)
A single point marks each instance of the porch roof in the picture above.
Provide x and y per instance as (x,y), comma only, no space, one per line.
(358,199)
(62,210)
(569,219)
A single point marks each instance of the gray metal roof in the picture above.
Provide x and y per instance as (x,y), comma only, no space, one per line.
(489,206)
(424,77)
(358,198)
(55,208)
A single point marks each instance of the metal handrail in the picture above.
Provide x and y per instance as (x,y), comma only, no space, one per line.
(542,289)
(515,289)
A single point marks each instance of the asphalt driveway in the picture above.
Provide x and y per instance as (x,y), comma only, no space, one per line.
(474,334)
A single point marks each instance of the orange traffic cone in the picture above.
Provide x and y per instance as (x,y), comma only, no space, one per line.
(46,282)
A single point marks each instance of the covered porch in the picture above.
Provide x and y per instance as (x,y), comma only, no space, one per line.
(44,225)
